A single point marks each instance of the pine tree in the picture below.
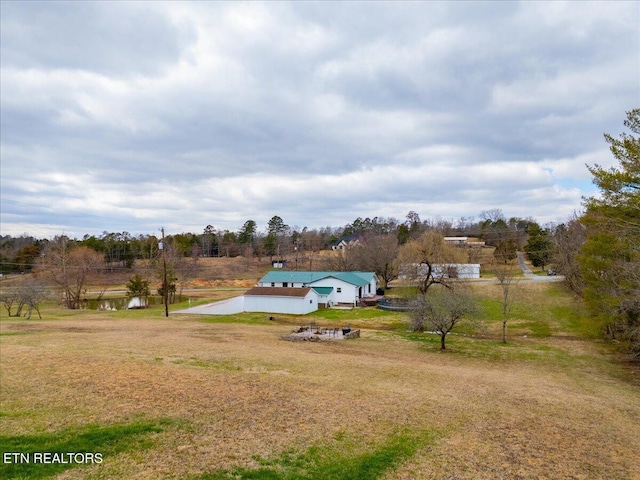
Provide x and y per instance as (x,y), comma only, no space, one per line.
(610,258)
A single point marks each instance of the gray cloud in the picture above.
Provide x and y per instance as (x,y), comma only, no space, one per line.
(102,37)
(124,116)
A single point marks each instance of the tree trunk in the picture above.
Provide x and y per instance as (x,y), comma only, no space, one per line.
(443,337)
(504,331)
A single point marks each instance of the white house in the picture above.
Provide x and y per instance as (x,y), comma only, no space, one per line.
(296,293)
(296,301)
(331,287)
(347,242)
(445,270)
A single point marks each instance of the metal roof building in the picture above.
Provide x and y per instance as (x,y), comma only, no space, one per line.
(332,287)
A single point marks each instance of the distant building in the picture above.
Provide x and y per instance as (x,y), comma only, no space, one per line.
(347,242)
(464,241)
(456,240)
(444,270)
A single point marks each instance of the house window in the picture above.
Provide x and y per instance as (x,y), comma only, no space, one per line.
(339,290)
(285,284)
(273,284)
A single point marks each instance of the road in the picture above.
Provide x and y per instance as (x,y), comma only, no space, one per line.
(529,275)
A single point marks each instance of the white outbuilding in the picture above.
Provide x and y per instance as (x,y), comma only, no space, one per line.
(289,300)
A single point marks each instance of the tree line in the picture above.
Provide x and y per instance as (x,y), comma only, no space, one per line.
(122,249)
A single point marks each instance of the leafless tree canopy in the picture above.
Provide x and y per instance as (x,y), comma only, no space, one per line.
(26,296)
(442,310)
(418,258)
(71,267)
(568,239)
(506,274)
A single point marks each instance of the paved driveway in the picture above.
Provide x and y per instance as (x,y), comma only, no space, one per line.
(529,275)
(223,307)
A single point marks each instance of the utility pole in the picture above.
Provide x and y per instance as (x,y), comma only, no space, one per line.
(165,287)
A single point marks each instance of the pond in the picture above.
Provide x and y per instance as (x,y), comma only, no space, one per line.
(124,303)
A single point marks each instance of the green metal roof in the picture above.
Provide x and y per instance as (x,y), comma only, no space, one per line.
(322,290)
(307,277)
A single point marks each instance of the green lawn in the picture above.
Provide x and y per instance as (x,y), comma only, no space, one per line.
(90,444)
(223,397)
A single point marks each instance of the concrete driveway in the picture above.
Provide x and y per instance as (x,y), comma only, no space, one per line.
(223,307)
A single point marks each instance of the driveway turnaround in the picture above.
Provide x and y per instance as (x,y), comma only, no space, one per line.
(223,307)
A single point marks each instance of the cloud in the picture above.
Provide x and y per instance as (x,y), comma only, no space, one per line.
(121,41)
(127,116)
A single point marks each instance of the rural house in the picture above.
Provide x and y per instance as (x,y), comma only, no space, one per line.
(331,288)
(297,293)
(347,242)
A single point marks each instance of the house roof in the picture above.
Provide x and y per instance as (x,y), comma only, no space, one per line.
(307,277)
(278,291)
(349,239)
(323,290)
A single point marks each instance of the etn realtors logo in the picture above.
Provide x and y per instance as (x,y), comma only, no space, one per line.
(52,457)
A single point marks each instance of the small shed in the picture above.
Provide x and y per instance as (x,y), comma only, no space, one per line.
(295,301)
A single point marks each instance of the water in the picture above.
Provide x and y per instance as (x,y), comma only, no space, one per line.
(124,303)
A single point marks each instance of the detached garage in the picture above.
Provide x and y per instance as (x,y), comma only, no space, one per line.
(295,301)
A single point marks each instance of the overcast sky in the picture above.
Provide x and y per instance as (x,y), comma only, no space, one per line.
(128,116)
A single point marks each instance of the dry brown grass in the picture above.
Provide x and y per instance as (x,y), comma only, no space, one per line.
(236,391)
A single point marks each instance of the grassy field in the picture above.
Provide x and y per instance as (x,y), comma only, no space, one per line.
(201,398)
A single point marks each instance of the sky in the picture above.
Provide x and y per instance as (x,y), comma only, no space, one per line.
(131,116)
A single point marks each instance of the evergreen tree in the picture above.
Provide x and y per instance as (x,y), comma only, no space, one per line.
(610,258)
(539,247)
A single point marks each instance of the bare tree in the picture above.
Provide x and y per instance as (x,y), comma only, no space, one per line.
(474,253)
(33,292)
(10,299)
(569,238)
(506,274)
(378,254)
(493,215)
(343,260)
(28,295)
(180,269)
(247,258)
(71,268)
(443,310)
(423,262)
